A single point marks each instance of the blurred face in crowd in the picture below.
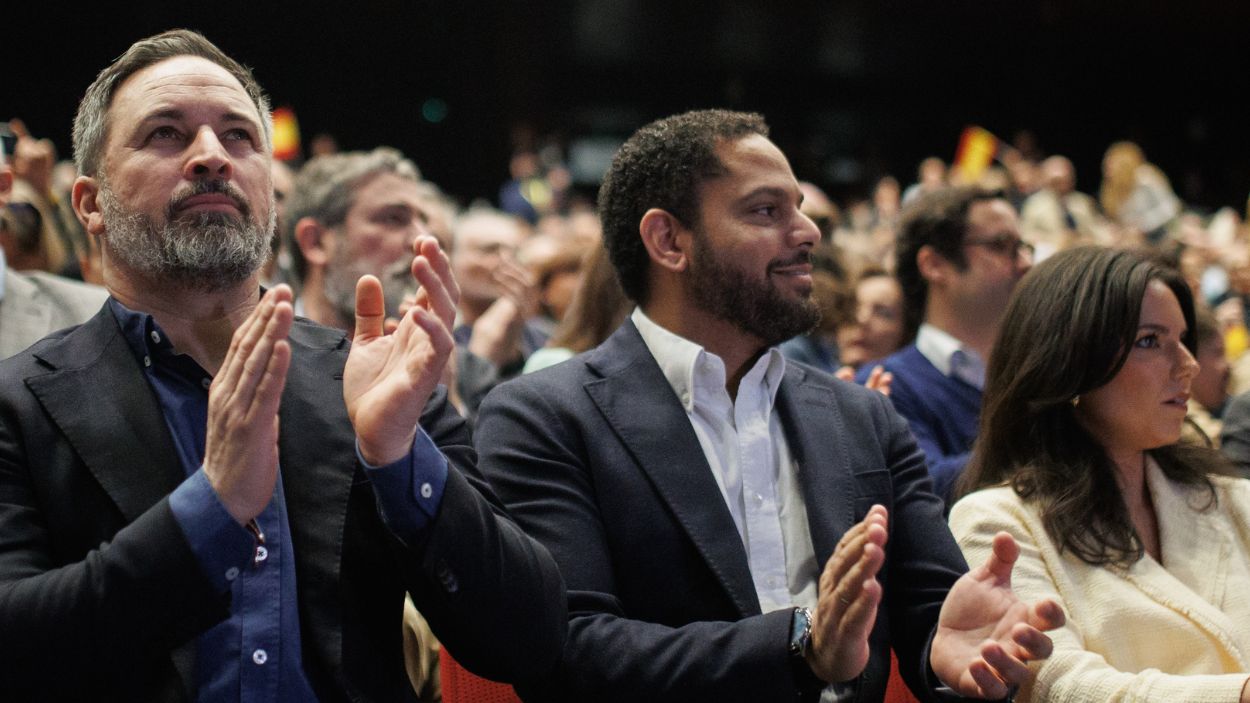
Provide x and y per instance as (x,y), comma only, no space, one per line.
(751,259)
(185,192)
(1144,405)
(376,238)
(995,256)
(878,327)
(483,243)
(1210,387)
(1058,175)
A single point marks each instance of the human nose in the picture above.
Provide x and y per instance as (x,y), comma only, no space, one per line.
(806,231)
(1024,258)
(207,157)
(1187,365)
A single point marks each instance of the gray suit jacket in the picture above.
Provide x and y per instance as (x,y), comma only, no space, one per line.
(37,303)
(596,458)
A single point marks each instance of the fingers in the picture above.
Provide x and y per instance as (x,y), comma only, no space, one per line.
(1005,669)
(988,684)
(1003,558)
(845,373)
(516,281)
(18,127)
(245,339)
(370,308)
(438,333)
(1030,643)
(435,296)
(880,380)
(855,561)
(264,370)
(427,246)
(849,598)
(1047,615)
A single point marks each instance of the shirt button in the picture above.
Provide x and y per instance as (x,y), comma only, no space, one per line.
(205,383)
(156,336)
(260,657)
(426,490)
(147,360)
(232,573)
(759,499)
(261,553)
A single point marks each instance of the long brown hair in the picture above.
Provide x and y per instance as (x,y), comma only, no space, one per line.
(599,306)
(1067,331)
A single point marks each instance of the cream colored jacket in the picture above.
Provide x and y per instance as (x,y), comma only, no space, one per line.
(1176,631)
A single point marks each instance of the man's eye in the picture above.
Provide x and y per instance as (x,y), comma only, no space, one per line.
(237,135)
(162,133)
(766,210)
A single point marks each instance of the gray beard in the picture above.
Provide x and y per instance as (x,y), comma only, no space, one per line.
(209,251)
(340,286)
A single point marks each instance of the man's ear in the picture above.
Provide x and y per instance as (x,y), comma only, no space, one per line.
(85,197)
(933,267)
(313,240)
(666,239)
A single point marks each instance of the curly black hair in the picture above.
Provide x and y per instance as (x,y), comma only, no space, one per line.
(661,166)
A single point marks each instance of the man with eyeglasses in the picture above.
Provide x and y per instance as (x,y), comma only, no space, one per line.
(959,256)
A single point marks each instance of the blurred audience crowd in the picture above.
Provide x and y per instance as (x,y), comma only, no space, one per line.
(536,287)
(912,281)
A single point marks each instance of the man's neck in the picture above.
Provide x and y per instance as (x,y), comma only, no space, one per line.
(736,349)
(972,329)
(199,323)
(318,308)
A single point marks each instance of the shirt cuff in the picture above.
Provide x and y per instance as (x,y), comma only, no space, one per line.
(221,546)
(410,490)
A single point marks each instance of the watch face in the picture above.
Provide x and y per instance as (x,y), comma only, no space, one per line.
(800,630)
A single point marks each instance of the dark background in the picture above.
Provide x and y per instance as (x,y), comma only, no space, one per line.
(853,90)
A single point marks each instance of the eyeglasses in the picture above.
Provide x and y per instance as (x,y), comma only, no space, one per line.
(1005,244)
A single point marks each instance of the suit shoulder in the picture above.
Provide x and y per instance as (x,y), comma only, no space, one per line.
(63,288)
(312,334)
(550,381)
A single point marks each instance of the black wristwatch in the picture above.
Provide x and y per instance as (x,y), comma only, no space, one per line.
(801,633)
(808,684)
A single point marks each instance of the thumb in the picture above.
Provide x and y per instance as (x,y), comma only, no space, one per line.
(1006,551)
(370,308)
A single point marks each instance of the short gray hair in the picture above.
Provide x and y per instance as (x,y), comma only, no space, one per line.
(91,123)
(325,190)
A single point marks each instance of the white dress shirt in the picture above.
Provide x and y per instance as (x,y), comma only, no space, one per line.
(951,356)
(746,448)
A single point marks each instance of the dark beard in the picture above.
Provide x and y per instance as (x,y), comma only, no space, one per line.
(207,251)
(758,309)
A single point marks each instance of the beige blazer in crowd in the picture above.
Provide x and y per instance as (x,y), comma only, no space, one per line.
(36,303)
(1176,631)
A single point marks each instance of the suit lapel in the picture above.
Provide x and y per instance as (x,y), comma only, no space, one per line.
(640,405)
(820,460)
(1197,549)
(97,396)
(316,457)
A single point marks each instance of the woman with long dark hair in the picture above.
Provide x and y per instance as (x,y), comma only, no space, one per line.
(1140,538)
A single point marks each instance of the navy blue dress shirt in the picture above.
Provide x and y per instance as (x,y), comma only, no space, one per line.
(255,654)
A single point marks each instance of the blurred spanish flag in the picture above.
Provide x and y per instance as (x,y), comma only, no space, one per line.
(977,149)
(285,134)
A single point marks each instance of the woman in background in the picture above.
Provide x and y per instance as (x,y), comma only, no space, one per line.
(1139,537)
(876,330)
